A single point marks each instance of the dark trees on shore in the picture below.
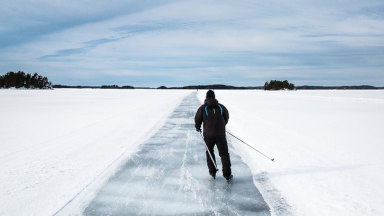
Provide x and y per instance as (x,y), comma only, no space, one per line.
(23,80)
(116,87)
(278,85)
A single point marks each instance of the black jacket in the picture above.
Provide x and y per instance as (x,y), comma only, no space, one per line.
(213,116)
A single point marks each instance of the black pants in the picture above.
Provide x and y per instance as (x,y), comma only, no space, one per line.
(222,146)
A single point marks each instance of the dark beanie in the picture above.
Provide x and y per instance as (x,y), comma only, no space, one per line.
(210,94)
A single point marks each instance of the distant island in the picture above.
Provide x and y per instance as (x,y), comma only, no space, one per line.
(95,87)
(279,85)
(24,80)
(214,86)
(338,87)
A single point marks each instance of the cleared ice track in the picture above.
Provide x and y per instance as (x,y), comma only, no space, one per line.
(168,176)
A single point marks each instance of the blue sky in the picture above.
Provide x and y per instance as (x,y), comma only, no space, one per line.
(176,43)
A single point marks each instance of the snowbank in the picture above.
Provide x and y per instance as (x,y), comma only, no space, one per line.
(55,143)
(328,147)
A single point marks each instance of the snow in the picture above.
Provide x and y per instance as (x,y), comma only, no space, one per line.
(55,144)
(328,147)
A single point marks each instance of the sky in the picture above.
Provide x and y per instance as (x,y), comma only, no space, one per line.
(149,43)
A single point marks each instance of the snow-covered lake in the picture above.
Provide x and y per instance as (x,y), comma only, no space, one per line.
(328,145)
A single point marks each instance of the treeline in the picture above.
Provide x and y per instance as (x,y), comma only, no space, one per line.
(360,87)
(278,85)
(75,86)
(94,87)
(23,80)
(116,87)
(215,86)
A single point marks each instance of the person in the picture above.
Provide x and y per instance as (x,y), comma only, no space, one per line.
(214,117)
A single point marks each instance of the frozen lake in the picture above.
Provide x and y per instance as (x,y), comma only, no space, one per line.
(92,152)
(168,176)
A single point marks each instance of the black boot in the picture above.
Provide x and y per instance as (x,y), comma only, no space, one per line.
(213,174)
(229,178)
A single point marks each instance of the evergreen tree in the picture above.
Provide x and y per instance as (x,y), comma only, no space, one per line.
(34,80)
(28,81)
(19,79)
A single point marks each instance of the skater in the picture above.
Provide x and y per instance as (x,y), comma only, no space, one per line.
(214,117)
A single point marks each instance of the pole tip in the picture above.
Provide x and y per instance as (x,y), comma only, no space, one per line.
(273,159)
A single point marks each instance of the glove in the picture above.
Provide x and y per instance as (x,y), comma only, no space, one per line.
(198,130)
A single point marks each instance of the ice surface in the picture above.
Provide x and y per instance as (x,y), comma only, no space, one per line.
(169,176)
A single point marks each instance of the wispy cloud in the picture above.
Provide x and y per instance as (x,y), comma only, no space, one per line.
(88,45)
